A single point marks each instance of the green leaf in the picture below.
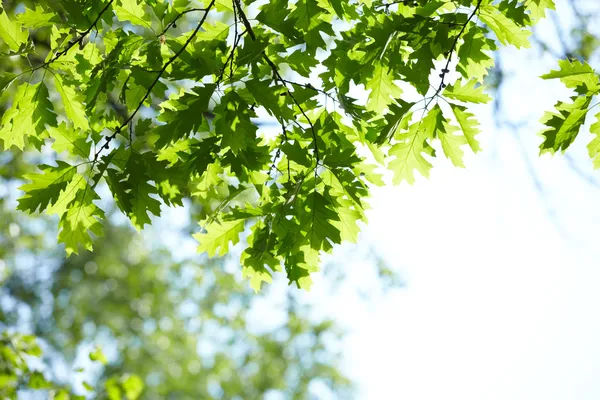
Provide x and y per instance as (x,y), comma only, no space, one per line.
(307,14)
(98,355)
(80,221)
(73,104)
(218,235)
(37,18)
(564,125)
(38,381)
(6,78)
(30,113)
(45,188)
(474,59)
(451,144)
(12,33)
(383,89)
(320,219)
(67,196)
(574,74)
(214,30)
(258,261)
(133,387)
(253,267)
(408,152)
(70,140)
(398,111)
(131,84)
(594,146)
(183,115)
(234,124)
(62,395)
(468,124)
(223,5)
(113,389)
(132,11)
(538,8)
(506,30)
(133,191)
(470,92)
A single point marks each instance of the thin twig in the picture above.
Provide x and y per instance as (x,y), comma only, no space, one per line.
(309,86)
(76,41)
(230,58)
(158,76)
(174,22)
(445,70)
(278,77)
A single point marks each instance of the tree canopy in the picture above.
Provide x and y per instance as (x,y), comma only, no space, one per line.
(274,117)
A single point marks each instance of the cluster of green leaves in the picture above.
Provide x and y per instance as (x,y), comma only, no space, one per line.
(14,369)
(161,100)
(564,124)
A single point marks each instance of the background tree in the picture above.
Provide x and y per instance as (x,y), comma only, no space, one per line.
(184,328)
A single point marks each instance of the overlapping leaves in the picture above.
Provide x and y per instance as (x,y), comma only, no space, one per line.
(160,101)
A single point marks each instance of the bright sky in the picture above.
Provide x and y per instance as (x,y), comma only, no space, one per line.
(501,276)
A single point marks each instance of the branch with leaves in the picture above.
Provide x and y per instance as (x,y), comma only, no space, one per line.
(207,141)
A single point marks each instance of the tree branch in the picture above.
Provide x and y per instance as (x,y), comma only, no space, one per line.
(158,76)
(278,76)
(76,41)
(445,70)
(174,22)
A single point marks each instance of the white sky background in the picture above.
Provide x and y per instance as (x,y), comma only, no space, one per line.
(502,280)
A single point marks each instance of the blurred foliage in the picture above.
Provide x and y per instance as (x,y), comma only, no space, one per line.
(178,329)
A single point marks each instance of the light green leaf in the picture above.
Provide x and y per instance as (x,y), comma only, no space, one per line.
(564,125)
(37,18)
(73,104)
(80,221)
(398,111)
(594,146)
(45,188)
(468,92)
(113,389)
(215,30)
(408,152)
(31,111)
(12,33)
(218,235)
(383,89)
(506,30)
(538,8)
(132,11)
(67,196)
(98,355)
(468,124)
(574,73)
(70,140)
(224,5)
(451,144)
(133,387)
